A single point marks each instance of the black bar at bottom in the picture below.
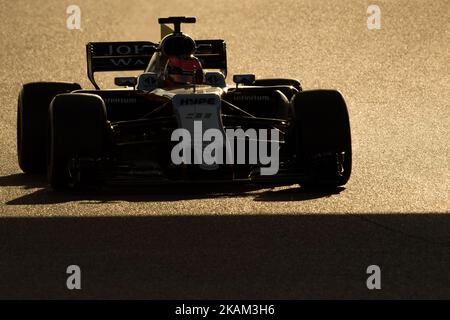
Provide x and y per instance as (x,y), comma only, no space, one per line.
(222,309)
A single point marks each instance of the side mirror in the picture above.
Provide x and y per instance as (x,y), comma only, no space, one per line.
(215,79)
(147,81)
(246,79)
(125,81)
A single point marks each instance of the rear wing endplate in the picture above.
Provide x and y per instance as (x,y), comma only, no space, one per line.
(117,56)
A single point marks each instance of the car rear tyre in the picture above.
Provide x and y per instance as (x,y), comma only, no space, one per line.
(32,121)
(322,138)
(77,130)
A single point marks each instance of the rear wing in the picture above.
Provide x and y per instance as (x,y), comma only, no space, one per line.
(117,56)
(212,54)
(136,55)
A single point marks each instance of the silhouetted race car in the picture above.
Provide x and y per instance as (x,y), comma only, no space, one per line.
(178,121)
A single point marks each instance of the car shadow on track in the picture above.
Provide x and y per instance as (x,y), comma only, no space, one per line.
(28,181)
(45,195)
(226,257)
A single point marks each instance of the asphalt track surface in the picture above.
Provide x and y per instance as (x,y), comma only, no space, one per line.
(238,241)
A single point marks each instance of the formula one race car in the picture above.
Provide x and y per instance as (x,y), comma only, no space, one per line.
(178,121)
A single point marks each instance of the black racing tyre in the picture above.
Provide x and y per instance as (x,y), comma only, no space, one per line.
(78,129)
(32,121)
(322,137)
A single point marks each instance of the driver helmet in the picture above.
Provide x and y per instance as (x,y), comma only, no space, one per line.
(182,71)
